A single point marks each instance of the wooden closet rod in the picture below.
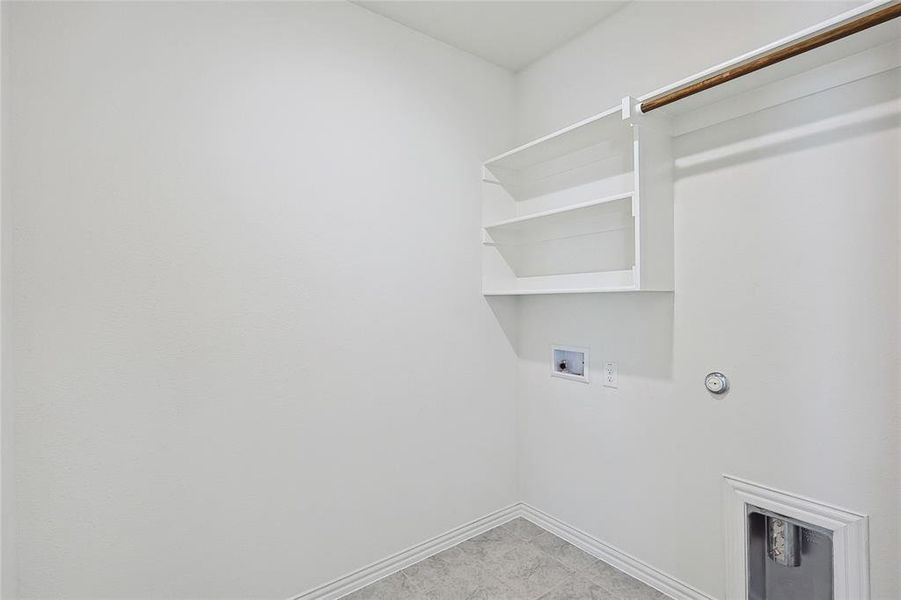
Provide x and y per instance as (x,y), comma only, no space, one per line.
(775,56)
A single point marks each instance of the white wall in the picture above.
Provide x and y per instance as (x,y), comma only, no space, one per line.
(251,354)
(786,262)
(250,346)
(7,409)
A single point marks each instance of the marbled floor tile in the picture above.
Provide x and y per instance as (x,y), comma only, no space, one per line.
(529,572)
(636,590)
(455,575)
(579,588)
(623,586)
(393,587)
(571,557)
(456,556)
(503,564)
(488,588)
(491,544)
(433,572)
(523,529)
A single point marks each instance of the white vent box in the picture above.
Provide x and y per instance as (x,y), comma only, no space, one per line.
(569,362)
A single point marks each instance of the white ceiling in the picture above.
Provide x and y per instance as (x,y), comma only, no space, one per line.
(511,34)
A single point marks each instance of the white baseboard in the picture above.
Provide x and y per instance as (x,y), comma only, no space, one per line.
(624,562)
(387,566)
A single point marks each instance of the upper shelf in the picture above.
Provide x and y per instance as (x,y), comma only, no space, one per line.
(594,217)
(606,125)
(861,54)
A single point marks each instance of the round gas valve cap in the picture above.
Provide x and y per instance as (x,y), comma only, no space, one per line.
(716,382)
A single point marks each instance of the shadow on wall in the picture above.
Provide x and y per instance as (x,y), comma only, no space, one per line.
(636,329)
(827,118)
(633,328)
(506,311)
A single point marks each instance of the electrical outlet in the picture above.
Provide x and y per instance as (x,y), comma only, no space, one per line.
(610,378)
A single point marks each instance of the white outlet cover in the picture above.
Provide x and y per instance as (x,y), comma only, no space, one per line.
(610,375)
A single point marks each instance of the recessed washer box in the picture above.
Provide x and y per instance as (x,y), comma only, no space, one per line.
(570,362)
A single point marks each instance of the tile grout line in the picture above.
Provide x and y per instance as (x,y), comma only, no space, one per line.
(523,539)
(575,573)
(412,582)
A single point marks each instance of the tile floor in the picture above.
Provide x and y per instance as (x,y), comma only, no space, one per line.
(516,561)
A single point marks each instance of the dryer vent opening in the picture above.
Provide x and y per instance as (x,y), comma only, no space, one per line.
(788,559)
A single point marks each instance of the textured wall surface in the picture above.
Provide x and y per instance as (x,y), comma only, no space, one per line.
(250,346)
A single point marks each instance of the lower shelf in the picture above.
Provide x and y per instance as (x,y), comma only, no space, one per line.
(570,283)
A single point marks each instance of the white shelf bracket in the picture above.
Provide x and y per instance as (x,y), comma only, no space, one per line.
(628,103)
